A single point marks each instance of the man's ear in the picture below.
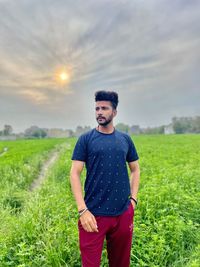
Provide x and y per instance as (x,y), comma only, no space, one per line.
(115,112)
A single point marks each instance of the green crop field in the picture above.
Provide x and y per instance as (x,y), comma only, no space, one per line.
(39,227)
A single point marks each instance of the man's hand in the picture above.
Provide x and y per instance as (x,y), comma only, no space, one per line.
(133,203)
(88,222)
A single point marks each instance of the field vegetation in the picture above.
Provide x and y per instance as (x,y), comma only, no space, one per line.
(39,227)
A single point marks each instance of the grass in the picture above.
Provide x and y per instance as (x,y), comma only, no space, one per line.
(166,226)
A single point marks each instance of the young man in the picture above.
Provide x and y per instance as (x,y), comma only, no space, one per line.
(107,209)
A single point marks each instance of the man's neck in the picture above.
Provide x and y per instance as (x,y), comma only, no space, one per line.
(108,129)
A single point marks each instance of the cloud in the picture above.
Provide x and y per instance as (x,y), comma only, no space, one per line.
(146,50)
(37,97)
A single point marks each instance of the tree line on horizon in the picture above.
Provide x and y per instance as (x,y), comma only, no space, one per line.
(178,125)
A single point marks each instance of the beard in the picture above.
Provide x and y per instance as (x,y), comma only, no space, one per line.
(106,121)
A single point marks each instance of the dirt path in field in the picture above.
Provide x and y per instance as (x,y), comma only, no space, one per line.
(48,164)
(4,151)
(37,182)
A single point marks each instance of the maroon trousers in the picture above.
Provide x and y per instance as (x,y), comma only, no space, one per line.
(118,231)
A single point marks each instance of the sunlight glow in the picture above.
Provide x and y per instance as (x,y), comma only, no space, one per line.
(62,75)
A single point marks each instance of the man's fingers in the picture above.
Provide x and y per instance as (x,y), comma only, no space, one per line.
(95,223)
(88,228)
(91,226)
(89,223)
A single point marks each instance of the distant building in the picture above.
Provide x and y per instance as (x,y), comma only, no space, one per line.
(20,136)
(8,137)
(168,129)
(80,130)
(58,133)
(135,129)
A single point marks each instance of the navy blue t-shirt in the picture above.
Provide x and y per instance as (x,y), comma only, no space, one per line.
(107,184)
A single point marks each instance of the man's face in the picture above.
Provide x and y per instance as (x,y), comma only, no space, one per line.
(104,112)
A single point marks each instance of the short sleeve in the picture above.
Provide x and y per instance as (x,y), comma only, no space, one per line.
(132,153)
(80,149)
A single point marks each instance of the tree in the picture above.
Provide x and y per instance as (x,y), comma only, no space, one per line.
(36,132)
(182,124)
(154,130)
(7,129)
(122,127)
(196,125)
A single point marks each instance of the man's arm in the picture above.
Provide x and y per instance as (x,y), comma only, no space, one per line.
(76,169)
(87,219)
(134,179)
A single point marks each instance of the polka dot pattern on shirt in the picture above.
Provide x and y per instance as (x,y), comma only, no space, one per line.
(107,185)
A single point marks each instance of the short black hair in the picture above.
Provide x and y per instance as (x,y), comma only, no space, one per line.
(107,96)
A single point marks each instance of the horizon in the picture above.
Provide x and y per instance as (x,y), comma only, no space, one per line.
(84,126)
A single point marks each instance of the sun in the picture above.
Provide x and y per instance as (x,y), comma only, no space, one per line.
(64,76)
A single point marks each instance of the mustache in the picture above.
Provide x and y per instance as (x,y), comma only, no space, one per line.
(100,117)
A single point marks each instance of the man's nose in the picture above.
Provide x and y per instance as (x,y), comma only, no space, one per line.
(99,112)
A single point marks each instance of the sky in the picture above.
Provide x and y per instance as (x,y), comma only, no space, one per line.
(146,51)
